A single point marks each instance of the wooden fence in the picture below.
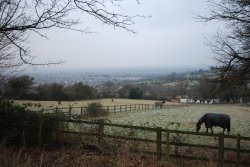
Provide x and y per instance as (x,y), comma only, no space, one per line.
(161,141)
(112,109)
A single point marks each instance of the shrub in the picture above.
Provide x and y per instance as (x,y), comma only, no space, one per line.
(135,93)
(95,110)
(22,127)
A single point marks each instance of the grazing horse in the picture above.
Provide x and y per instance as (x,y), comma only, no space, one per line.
(214,119)
(159,104)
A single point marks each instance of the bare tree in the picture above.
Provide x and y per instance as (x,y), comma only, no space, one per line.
(20,18)
(232,45)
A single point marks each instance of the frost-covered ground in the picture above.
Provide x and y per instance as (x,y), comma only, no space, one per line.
(105,102)
(186,117)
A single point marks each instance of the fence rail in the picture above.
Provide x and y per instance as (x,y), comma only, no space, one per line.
(159,141)
(80,110)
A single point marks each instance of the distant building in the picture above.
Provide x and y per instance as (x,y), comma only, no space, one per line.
(206,101)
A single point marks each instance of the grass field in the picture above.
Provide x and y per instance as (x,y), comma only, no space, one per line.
(185,116)
(105,102)
(174,116)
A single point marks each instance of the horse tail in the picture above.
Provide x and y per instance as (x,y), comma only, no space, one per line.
(228,126)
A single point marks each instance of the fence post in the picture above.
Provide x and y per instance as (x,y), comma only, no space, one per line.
(108,109)
(120,108)
(40,131)
(81,110)
(114,109)
(238,150)
(100,131)
(158,142)
(167,145)
(56,110)
(221,149)
(70,108)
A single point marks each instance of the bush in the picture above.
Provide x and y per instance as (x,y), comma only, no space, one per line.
(96,110)
(135,93)
(22,127)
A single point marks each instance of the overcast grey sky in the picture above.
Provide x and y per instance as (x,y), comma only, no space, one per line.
(170,38)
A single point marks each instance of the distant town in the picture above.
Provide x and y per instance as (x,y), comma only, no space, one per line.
(98,77)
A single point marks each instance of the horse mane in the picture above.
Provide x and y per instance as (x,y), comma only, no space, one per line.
(201,120)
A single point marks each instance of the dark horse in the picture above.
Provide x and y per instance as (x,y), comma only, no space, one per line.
(214,119)
(159,104)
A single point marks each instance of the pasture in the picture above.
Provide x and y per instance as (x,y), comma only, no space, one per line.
(135,125)
(175,116)
(104,102)
(185,117)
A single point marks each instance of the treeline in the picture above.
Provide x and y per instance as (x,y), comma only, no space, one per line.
(203,88)
(23,88)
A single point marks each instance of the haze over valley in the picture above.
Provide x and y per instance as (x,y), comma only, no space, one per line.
(94,77)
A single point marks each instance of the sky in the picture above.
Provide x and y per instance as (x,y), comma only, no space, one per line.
(170,38)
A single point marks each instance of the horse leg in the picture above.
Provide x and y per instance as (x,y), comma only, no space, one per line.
(212,130)
(207,130)
(224,130)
